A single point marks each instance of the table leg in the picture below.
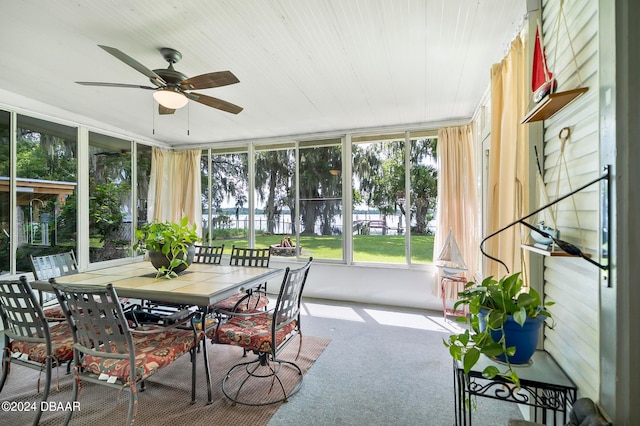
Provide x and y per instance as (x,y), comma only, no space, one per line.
(205,311)
(456,394)
(455,281)
(444,299)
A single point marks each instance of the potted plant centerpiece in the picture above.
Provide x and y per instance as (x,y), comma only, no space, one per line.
(170,245)
(504,324)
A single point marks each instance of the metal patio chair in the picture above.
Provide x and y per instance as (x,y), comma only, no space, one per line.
(266,333)
(208,254)
(105,346)
(29,339)
(254,299)
(52,266)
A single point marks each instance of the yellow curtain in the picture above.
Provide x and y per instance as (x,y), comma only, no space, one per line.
(507,198)
(175,186)
(457,198)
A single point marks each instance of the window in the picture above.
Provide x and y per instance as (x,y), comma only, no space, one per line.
(143,176)
(423,195)
(46,180)
(378,181)
(225,209)
(5,206)
(275,199)
(206,201)
(295,203)
(382,218)
(110,209)
(321,203)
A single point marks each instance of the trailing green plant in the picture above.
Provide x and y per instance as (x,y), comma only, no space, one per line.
(172,239)
(490,305)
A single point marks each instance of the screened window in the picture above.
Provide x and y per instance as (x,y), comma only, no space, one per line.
(143,177)
(46,181)
(289,197)
(423,189)
(225,209)
(110,208)
(393,215)
(5,206)
(321,199)
(378,181)
(275,200)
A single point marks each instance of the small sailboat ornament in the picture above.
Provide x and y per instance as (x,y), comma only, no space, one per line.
(450,260)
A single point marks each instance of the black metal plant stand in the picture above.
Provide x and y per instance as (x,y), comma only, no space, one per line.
(543,385)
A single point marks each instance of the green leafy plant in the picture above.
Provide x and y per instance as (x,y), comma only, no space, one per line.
(490,305)
(172,239)
(106,218)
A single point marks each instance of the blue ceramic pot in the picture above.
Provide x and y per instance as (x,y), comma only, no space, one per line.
(524,338)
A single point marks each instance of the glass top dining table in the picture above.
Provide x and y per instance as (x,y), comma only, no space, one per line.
(200,285)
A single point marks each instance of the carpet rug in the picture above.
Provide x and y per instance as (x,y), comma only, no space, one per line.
(167,398)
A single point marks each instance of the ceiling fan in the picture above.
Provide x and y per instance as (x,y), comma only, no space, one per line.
(172,88)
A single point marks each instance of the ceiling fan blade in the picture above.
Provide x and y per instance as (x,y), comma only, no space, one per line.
(214,102)
(155,78)
(162,110)
(132,86)
(210,80)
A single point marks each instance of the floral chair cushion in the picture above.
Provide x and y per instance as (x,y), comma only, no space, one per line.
(61,345)
(252,333)
(153,352)
(54,312)
(249,303)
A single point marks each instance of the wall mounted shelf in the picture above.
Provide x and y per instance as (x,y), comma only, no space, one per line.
(552,253)
(551,104)
(563,245)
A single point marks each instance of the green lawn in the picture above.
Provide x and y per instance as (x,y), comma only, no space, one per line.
(367,248)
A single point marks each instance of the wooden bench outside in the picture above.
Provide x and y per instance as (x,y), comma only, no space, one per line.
(364,227)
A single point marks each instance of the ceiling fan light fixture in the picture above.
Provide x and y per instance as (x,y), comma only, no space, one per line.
(170,98)
(171,88)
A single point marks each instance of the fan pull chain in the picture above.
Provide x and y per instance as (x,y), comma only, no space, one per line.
(153,118)
(188,119)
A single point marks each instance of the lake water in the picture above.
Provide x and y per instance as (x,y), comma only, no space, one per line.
(283,225)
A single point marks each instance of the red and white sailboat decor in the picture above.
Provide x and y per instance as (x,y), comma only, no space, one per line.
(543,83)
(542,80)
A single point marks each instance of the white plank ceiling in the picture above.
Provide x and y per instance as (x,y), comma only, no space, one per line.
(305,66)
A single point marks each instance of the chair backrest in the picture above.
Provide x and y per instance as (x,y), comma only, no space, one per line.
(22,315)
(250,257)
(208,254)
(97,321)
(287,307)
(54,265)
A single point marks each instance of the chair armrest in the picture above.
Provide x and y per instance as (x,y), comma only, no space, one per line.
(230,314)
